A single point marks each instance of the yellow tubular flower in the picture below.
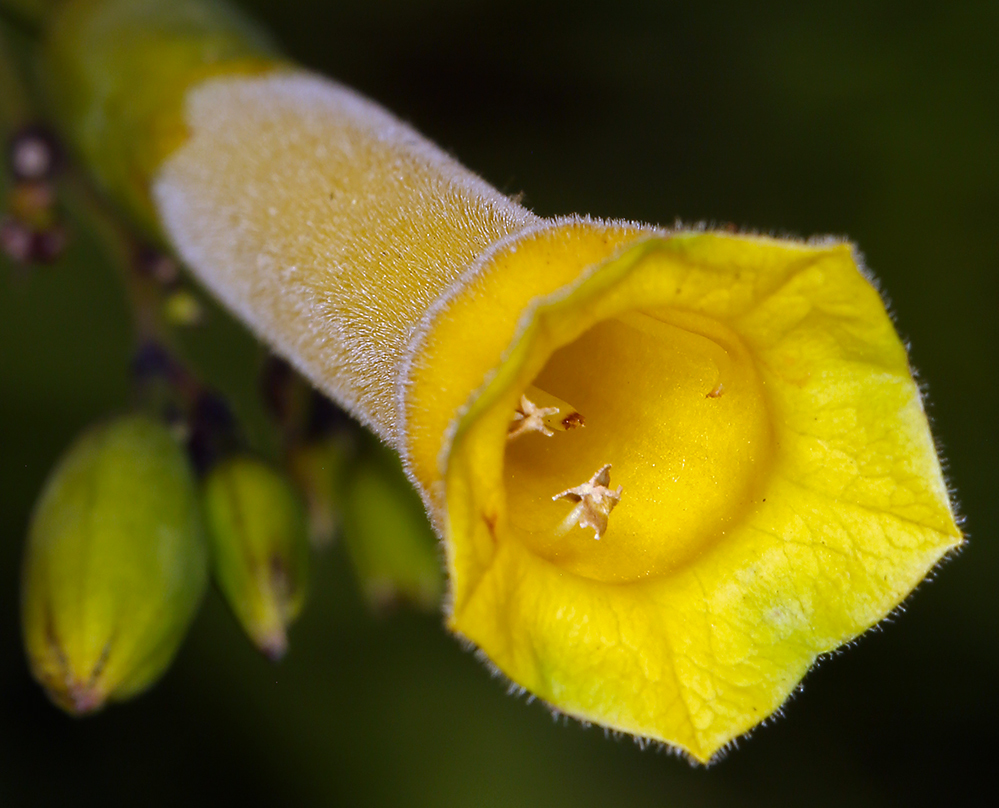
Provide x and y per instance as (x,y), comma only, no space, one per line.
(773,488)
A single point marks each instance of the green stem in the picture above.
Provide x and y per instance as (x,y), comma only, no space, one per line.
(28,15)
(143,295)
(15,108)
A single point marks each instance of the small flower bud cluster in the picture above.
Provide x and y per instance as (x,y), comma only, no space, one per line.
(180,305)
(30,230)
(355,489)
(141,508)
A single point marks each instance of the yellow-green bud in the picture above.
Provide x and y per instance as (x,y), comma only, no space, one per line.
(257,533)
(115,566)
(117,72)
(387,536)
(182,308)
(320,469)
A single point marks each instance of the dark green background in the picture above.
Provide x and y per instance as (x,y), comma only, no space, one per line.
(879,120)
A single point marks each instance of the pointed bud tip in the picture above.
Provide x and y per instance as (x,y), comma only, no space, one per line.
(79,699)
(274,646)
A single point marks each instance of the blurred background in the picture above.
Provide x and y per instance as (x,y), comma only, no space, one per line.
(876,120)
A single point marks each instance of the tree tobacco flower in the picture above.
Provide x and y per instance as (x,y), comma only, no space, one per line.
(747,478)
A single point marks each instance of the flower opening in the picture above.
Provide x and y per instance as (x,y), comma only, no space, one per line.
(781,489)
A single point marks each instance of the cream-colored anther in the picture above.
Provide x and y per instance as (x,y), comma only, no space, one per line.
(540,411)
(528,417)
(594,501)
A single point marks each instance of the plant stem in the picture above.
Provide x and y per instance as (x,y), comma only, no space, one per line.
(143,294)
(27,14)
(15,109)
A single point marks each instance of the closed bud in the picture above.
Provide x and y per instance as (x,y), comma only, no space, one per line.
(319,469)
(16,240)
(182,308)
(115,565)
(32,154)
(34,204)
(387,536)
(257,532)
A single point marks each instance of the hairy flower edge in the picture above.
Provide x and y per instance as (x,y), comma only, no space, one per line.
(788,549)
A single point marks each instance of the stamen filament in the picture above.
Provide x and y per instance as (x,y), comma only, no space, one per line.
(654,327)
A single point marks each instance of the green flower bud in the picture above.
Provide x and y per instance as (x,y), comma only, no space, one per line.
(257,532)
(115,565)
(319,469)
(385,531)
(182,308)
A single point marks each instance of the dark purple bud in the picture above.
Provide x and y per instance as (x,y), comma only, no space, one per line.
(152,360)
(16,240)
(156,264)
(212,431)
(276,380)
(326,418)
(48,245)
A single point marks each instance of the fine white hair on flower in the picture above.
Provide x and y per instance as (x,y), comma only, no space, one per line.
(305,208)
